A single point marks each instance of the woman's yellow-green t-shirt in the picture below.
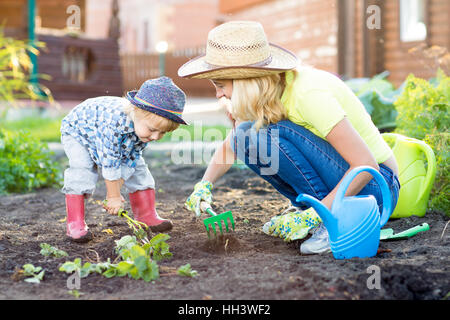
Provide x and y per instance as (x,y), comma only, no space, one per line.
(318,100)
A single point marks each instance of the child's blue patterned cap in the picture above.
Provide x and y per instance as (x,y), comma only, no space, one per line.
(160,96)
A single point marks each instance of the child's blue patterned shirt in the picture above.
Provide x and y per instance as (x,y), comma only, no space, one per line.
(107,132)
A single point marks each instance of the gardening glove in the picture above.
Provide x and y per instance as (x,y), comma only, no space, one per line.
(202,192)
(292,226)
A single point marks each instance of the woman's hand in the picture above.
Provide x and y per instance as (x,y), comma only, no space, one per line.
(220,163)
(202,192)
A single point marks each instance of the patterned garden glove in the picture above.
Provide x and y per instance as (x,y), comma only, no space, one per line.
(202,192)
(292,226)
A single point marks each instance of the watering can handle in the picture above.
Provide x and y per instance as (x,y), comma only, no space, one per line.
(431,169)
(391,135)
(431,161)
(385,192)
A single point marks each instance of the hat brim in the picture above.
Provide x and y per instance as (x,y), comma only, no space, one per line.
(130,96)
(197,68)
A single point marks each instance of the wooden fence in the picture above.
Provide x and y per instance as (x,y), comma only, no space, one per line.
(136,68)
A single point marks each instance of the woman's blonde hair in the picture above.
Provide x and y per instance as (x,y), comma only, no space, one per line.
(161,123)
(259,99)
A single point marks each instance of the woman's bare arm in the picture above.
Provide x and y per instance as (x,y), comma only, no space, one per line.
(344,138)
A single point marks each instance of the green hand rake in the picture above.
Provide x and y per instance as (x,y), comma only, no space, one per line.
(216,219)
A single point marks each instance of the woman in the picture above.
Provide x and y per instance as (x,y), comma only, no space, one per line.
(299,128)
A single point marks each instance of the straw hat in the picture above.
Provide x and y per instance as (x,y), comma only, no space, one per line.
(237,50)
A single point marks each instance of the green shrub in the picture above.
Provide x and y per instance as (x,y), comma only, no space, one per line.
(15,69)
(423,113)
(25,163)
(440,194)
(378,96)
(423,106)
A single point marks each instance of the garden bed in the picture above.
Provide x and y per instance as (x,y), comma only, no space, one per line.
(246,264)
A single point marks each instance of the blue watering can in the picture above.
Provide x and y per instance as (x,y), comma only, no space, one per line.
(354,222)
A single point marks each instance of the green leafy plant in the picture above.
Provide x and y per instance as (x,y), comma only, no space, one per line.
(378,96)
(48,250)
(84,269)
(138,260)
(75,293)
(35,274)
(26,163)
(440,194)
(187,271)
(15,67)
(158,248)
(424,106)
(423,110)
(137,254)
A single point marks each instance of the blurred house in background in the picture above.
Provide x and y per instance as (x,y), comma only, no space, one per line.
(80,66)
(157,37)
(352,38)
(120,43)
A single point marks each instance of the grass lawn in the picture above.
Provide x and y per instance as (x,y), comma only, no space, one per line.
(44,129)
(197,133)
(47,130)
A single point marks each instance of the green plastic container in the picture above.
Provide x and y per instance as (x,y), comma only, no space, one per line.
(416,177)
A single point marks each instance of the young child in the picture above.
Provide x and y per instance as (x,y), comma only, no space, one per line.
(110,133)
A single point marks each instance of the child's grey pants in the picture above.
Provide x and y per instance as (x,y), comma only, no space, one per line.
(81,176)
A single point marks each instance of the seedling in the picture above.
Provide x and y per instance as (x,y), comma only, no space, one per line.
(137,255)
(36,274)
(48,250)
(186,271)
(85,269)
(75,293)
(138,261)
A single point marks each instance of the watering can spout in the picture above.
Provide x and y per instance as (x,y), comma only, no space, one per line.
(325,214)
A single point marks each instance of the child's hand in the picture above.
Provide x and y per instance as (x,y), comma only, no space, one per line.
(114,199)
(114,204)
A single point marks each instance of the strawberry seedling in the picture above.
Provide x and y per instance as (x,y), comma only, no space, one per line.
(137,253)
(36,274)
(186,271)
(48,250)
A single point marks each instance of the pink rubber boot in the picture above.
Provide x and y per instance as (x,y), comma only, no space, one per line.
(143,206)
(77,229)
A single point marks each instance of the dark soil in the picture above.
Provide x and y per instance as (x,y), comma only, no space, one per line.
(245,264)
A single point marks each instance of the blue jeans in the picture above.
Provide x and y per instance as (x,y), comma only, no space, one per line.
(294,160)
